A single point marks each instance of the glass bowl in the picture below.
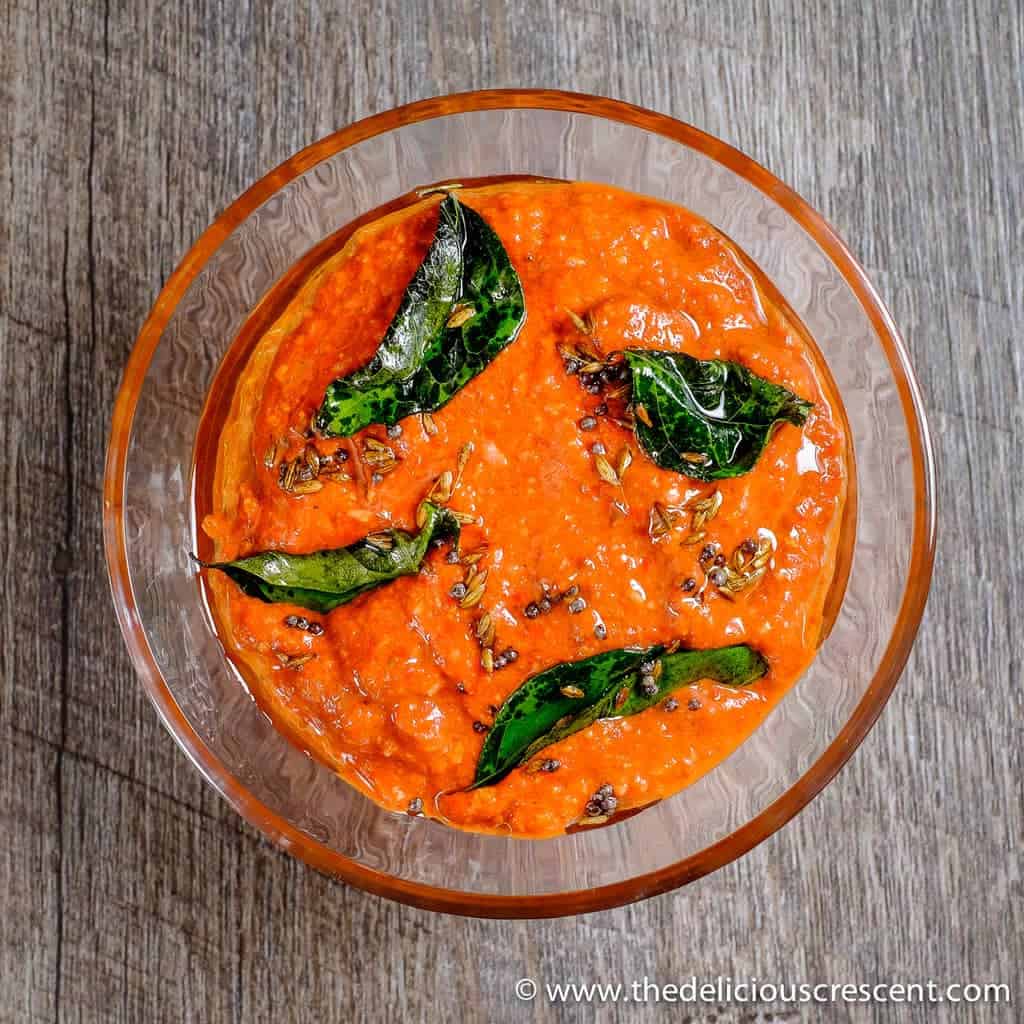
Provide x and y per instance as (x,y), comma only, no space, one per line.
(149,521)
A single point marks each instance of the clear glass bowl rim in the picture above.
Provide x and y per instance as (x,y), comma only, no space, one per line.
(296,842)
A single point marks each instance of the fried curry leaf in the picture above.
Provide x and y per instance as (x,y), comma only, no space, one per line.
(568,697)
(324,580)
(462,307)
(707,418)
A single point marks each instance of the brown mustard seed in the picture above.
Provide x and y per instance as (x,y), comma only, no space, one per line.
(532,610)
(576,605)
(600,631)
(602,803)
(316,629)
(648,686)
(550,764)
(693,704)
(460,688)
(719,559)
(416,805)
(588,423)
(480,727)
(689,584)
(719,577)
(458,591)
(671,704)
(749,547)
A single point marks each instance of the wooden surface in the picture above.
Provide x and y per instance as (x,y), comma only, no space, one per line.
(130,892)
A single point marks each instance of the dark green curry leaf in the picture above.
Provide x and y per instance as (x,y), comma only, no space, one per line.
(568,697)
(462,307)
(709,418)
(325,580)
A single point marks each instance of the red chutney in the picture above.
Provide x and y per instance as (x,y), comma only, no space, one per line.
(396,699)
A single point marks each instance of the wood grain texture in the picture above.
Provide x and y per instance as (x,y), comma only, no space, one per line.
(131,893)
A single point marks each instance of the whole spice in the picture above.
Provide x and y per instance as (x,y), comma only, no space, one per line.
(584,324)
(296,661)
(603,803)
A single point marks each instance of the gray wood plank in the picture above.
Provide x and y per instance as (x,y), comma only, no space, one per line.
(131,892)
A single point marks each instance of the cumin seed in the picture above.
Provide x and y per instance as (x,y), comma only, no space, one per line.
(291,472)
(444,487)
(577,321)
(434,190)
(659,522)
(460,466)
(625,460)
(462,313)
(605,470)
(475,591)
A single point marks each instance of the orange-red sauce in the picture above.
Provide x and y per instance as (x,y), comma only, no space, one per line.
(391,697)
